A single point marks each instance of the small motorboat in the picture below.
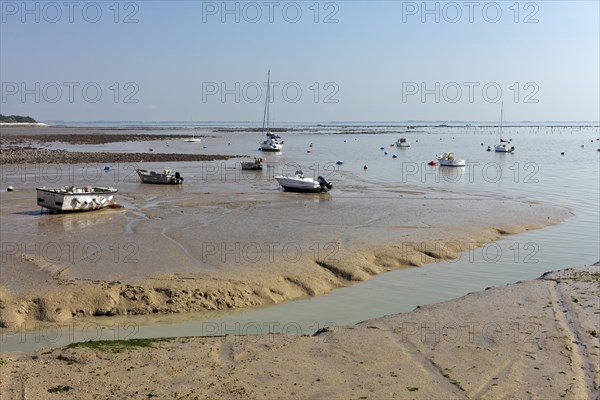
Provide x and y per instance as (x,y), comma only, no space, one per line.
(504,147)
(75,198)
(252,165)
(166,177)
(193,140)
(300,183)
(448,160)
(402,143)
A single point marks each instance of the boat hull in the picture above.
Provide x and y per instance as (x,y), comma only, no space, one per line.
(251,166)
(157,178)
(301,185)
(503,149)
(271,146)
(77,200)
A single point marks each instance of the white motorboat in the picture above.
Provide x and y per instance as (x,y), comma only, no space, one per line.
(448,160)
(272,142)
(193,140)
(252,165)
(504,146)
(300,183)
(402,143)
(166,177)
(73,198)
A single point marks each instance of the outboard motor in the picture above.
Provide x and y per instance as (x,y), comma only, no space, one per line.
(178,177)
(324,183)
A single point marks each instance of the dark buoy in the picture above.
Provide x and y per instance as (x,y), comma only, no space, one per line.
(431,163)
(488,149)
(562,153)
(339,162)
(365,167)
(582,146)
(150,150)
(10,189)
(381,148)
(385,153)
(107,168)
(482,144)
(394,156)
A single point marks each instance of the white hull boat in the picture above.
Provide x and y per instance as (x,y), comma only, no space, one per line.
(504,146)
(193,140)
(252,165)
(166,177)
(74,198)
(402,143)
(448,160)
(272,142)
(299,183)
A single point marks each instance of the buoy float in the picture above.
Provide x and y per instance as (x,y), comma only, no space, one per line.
(339,162)
(150,150)
(365,167)
(394,156)
(308,151)
(488,149)
(431,163)
(582,146)
(385,153)
(107,168)
(562,153)
(381,148)
(10,189)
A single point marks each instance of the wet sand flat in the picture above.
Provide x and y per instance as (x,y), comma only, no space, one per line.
(210,244)
(532,339)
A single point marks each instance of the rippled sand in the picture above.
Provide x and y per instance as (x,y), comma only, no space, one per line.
(226,239)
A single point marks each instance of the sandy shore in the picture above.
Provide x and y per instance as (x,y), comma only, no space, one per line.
(534,339)
(225,239)
(190,253)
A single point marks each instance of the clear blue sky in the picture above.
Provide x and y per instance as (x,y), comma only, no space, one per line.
(373,60)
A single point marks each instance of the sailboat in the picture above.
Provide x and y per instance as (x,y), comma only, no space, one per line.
(272,142)
(504,146)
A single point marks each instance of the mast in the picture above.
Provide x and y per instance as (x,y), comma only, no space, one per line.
(267,101)
(501,116)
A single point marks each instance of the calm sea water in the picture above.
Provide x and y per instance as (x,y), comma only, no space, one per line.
(536,171)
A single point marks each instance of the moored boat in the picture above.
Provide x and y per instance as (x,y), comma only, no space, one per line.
(448,160)
(166,177)
(504,146)
(75,198)
(252,165)
(300,183)
(272,142)
(402,143)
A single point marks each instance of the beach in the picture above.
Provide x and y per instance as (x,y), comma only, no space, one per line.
(532,339)
(225,239)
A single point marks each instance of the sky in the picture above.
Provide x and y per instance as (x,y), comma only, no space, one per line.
(328,61)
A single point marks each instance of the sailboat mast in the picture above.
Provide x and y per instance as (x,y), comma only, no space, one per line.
(501,117)
(267,101)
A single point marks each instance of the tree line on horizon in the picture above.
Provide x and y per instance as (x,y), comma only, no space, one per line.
(11,119)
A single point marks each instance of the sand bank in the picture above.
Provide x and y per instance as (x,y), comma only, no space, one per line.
(185,250)
(534,339)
